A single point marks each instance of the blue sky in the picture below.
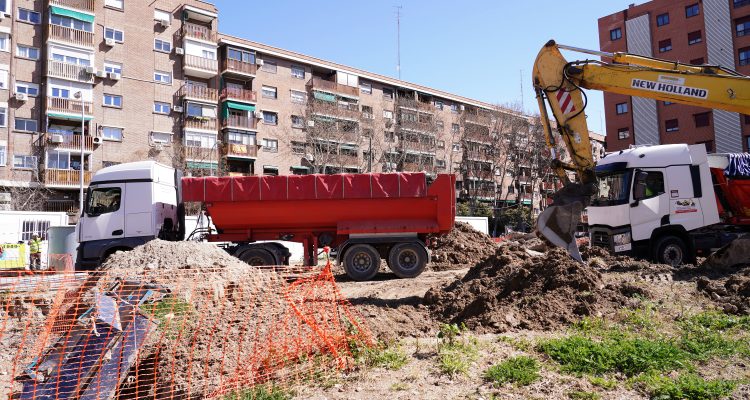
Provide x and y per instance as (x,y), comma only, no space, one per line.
(479,49)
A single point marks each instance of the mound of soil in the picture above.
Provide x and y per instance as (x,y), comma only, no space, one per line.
(732,293)
(464,246)
(515,290)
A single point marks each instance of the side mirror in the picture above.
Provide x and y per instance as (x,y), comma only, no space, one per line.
(639,186)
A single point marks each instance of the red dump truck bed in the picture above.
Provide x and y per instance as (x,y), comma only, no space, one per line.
(733,197)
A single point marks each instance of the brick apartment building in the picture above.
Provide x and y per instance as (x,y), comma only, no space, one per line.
(713,32)
(158,81)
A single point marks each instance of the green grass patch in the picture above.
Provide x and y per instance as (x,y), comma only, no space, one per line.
(399,386)
(581,395)
(392,358)
(455,351)
(521,371)
(174,315)
(261,393)
(604,383)
(686,387)
(518,343)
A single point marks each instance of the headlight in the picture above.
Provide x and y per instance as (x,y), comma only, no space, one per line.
(622,239)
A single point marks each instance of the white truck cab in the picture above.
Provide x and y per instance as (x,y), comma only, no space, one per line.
(654,202)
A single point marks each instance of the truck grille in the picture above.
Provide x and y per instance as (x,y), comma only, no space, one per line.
(600,239)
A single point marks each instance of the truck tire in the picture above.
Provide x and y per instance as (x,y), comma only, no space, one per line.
(257,257)
(671,250)
(361,262)
(407,260)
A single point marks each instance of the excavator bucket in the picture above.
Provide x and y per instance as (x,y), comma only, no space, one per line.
(558,225)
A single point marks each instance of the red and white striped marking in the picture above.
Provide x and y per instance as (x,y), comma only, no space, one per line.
(566,101)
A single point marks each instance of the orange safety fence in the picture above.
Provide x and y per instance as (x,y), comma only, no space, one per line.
(188,333)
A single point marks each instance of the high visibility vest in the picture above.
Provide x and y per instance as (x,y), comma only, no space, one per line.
(35,246)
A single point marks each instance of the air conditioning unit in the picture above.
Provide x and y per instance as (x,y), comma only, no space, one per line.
(56,139)
(109,42)
(97,140)
(22,96)
(164,23)
(114,76)
(259,62)
(310,123)
(258,114)
(100,74)
(91,69)
(179,51)
(177,109)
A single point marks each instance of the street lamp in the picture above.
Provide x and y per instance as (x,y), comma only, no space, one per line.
(79,95)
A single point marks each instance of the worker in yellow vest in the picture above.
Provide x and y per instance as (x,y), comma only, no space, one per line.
(35,252)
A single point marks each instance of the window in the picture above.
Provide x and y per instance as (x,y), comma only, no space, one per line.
(298,96)
(161,107)
(615,34)
(160,15)
(454,108)
(4,6)
(621,108)
(4,42)
(623,133)
(29,16)
(298,72)
(208,54)
(390,137)
(648,184)
(439,104)
(113,68)
(103,201)
(269,92)
(740,3)
(387,114)
(200,140)
(665,45)
(60,93)
(367,112)
(24,161)
(742,26)
(161,137)
(695,37)
(744,56)
(440,125)
(31,89)
(702,119)
(747,119)
(70,59)
(196,110)
(271,145)
(270,170)
(162,46)
(71,23)
(440,164)
(387,93)
(27,52)
(112,100)
(672,125)
(269,66)
(4,76)
(163,77)
(25,125)
(662,19)
(456,147)
(298,147)
(365,87)
(3,153)
(455,128)
(270,118)
(112,133)
(241,55)
(114,3)
(440,144)
(116,34)
(298,121)
(697,61)
(692,10)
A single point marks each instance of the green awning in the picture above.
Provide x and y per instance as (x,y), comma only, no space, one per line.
(202,165)
(526,202)
(70,117)
(239,106)
(324,96)
(72,14)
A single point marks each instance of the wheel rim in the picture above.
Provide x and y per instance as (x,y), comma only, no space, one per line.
(255,261)
(408,259)
(361,262)
(672,255)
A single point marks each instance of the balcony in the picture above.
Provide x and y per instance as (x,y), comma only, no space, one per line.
(200,154)
(70,142)
(418,126)
(240,122)
(238,67)
(83,5)
(348,159)
(476,154)
(477,135)
(200,93)
(317,83)
(335,110)
(478,118)
(66,206)
(481,193)
(65,178)
(70,35)
(200,67)
(242,150)
(249,96)
(200,32)
(204,123)
(416,105)
(73,72)
(69,105)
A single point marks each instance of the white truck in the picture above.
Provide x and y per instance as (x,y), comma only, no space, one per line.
(668,203)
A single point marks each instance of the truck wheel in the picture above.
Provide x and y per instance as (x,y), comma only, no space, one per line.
(671,250)
(257,257)
(361,262)
(407,260)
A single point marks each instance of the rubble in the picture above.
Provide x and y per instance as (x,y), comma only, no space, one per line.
(463,247)
(731,293)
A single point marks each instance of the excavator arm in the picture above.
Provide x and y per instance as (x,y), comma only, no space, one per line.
(558,84)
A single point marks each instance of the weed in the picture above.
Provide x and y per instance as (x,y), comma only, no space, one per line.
(174,315)
(449,332)
(392,358)
(642,319)
(717,321)
(581,395)
(519,343)
(400,386)
(519,370)
(261,393)
(603,383)
(590,326)
(454,355)
(688,386)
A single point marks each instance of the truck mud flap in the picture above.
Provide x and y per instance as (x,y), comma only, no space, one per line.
(94,357)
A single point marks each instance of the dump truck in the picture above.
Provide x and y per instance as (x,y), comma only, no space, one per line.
(363,217)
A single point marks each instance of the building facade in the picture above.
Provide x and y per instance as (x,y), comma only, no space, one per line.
(715,32)
(85,84)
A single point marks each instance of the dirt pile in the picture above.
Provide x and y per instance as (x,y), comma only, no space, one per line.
(732,293)
(513,289)
(463,246)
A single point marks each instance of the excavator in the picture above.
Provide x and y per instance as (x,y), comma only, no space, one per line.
(559,84)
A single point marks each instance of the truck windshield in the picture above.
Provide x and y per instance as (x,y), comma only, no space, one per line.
(612,188)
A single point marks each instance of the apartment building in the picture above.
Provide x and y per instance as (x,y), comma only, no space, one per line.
(85,84)
(713,32)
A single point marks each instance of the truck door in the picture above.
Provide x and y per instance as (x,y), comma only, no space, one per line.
(104,216)
(650,203)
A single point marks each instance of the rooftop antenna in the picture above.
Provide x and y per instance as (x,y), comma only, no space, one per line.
(398,40)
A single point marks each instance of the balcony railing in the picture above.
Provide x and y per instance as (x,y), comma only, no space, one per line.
(196,31)
(66,177)
(242,122)
(200,153)
(476,155)
(69,105)
(481,193)
(207,64)
(335,110)
(239,94)
(84,5)
(57,69)
(321,84)
(66,206)
(71,35)
(70,142)
(480,119)
(238,66)
(242,150)
(199,92)
(416,105)
(201,123)
(418,126)
(478,135)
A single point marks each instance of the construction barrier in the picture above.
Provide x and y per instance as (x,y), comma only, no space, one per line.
(171,334)
(61,263)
